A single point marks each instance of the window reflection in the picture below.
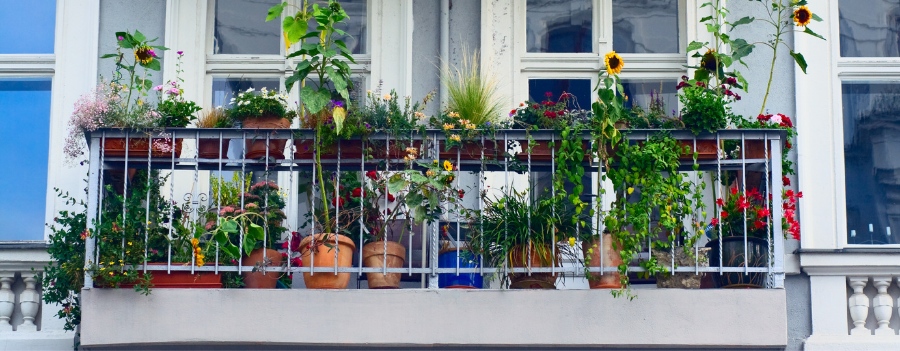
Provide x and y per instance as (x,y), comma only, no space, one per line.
(645,26)
(25,103)
(552,89)
(354,25)
(27,27)
(241,28)
(559,25)
(224,89)
(872,162)
(642,92)
(870,28)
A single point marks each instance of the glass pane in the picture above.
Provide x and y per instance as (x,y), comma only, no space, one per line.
(870,28)
(872,162)
(543,89)
(645,26)
(241,28)
(642,92)
(559,25)
(354,25)
(27,27)
(25,103)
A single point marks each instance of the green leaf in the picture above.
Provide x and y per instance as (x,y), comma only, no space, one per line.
(148,84)
(816,18)
(228,226)
(694,45)
(745,20)
(397,184)
(740,49)
(220,237)
(800,60)
(810,32)
(249,245)
(275,11)
(139,37)
(419,214)
(417,177)
(414,200)
(152,65)
(314,100)
(255,232)
(701,74)
(289,81)
(109,55)
(295,29)
(231,250)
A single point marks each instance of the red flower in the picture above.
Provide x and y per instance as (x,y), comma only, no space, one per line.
(512,112)
(358,192)
(714,222)
(372,175)
(763,118)
(565,96)
(734,191)
(789,193)
(550,114)
(762,213)
(737,97)
(720,202)
(461,193)
(390,197)
(799,195)
(284,255)
(786,122)
(338,202)
(759,224)
(561,113)
(788,144)
(548,94)
(681,85)
(535,106)
(297,262)
(785,180)
(724,214)
(701,84)
(731,81)
(754,193)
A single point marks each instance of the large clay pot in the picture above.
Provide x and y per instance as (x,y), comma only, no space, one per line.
(323,255)
(733,256)
(706,150)
(519,256)
(611,258)
(258,280)
(140,147)
(257,145)
(180,279)
(209,148)
(374,256)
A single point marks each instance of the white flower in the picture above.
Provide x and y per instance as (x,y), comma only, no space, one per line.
(250,89)
(776,118)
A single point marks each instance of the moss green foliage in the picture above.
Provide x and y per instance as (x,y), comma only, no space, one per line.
(473,94)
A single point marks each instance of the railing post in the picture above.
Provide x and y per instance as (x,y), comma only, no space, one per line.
(858,304)
(93,199)
(777,232)
(884,305)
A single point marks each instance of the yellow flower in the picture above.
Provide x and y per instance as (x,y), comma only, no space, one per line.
(448,166)
(387,96)
(454,137)
(125,273)
(630,190)
(197,251)
(195,242)
(110,273)
(448,126)
(572,242)
(287,43)
(143,54)
(470,126)
(412,150)
(430,173)
(802,16)
(435,162)
(614,63)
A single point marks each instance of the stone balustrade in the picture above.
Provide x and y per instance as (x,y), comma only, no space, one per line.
(875,303)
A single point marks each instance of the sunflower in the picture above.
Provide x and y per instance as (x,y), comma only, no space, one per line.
(448,166)
(802,16)
(613,63)
(144,54)
(709,60)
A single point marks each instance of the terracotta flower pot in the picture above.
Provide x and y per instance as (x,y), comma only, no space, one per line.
(756,149)
(519,257)
(374,256)
(140,147)
(706,150)
(258,280)
(350,149)
(611,258)
(471,150)
(323,255)
(181,279)
(541,151)
(209,148)
(257,145)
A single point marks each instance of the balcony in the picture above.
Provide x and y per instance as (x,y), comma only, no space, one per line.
(423,312)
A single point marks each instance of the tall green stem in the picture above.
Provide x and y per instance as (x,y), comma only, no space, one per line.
(327,225)
(774,56)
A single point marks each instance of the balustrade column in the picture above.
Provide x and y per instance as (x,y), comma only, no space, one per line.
(29,303)
(859,306)
(884,305)
(7,300)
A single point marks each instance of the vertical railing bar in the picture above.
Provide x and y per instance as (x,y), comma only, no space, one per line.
(337,207)
(147,200)
(479,200)
(125,197)
(696,248)
(387,150)
(95,166)
(531,201)
(506,262)
(553,208)
(768,209)
(218,195)
(778,234)
(744,188)
(435,241)
(243,181)
(718,180)
(100,193)
(293,198)
(193,191)
(459,211)
(312,234)
(600,172)
(362,198)
(265,226)
(171,209)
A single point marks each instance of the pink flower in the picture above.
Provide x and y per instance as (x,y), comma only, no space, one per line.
(173,91)
(121,38)
(158,88)
(776,118)
(210,225)
(181,53)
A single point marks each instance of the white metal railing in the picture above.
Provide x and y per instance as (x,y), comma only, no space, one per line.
(430,142)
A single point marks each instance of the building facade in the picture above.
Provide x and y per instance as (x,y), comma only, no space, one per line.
(839,292)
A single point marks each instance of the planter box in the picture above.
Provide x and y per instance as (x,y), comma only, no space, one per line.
(140,147)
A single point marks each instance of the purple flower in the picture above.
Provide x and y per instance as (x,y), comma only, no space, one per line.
(487,123)
(152,53)
(335,103)
(158,88)
(181,53)
(121,38)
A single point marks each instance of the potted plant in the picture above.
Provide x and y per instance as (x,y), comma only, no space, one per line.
(213,148)
(728,232)
(516,230)
(547,114)
(265,110)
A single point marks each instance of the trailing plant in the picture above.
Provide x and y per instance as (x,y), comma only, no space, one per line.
(647,180)
(63,276)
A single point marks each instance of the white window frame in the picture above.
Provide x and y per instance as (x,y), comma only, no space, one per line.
(504,40)
(75,38)
(820,131)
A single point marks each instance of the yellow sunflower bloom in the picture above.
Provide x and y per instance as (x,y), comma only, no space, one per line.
(144,54)
(448,166)
(613,63)
(802,16)
(195,241)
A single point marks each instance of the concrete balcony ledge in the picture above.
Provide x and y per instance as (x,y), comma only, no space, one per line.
(117,319)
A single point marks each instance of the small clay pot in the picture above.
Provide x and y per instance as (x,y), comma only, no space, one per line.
(209,148)
(323,255)
(257,144)
(374,256)
(518,257)
(258,280)
(611,258)
(139,147)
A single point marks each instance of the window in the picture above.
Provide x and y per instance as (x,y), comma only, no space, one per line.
(870,28)
(241,29)
(560,26)
(28,27)
(645,26)
(26,74)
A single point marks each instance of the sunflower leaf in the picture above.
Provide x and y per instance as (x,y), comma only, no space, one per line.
(800,60)
(694,45)
(275,11)
(810,32)
(745,20)
(816,18)
(139,37)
